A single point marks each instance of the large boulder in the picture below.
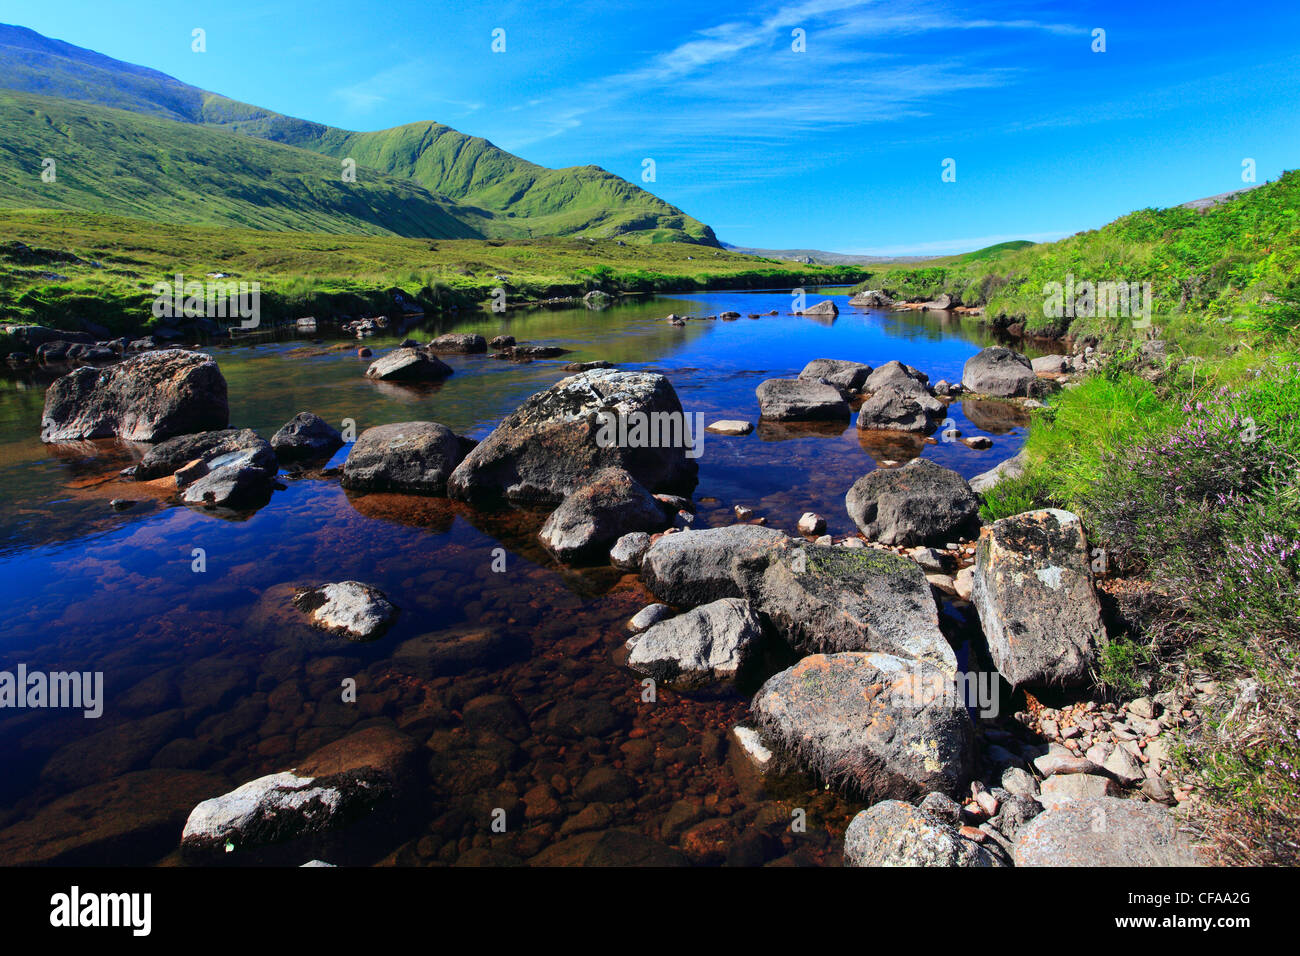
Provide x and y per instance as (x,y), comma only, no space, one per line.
(843,375)
(146,398)
(306,436)
(824,599)
(336,785)
(408,365)
(591,519)
(891,409)
(414,457)
(825,307)
(920,503)
(792,399)
(701,566)
(1034,593)
(557,440)
(1000,372)
(896,375)
(713,642)
(166,457)
(872,299)
(894,833)
(234,479)
(1107,831)
(877,725)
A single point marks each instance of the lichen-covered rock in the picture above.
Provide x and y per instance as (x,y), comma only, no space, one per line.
(594,516)
(557,440)
(146,398)
(306,436)
(713,642)
(1034,593)
(350,609)
(792,399)
(894,833)
(331,788)
(877,725)
(416,457)
(408,365)
(1000,372)
(920,503)
(1107,831)
(705,565)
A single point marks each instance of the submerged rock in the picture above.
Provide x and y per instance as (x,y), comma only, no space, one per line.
(792,399)
(146,398)
(599,513)
(556,441)
(349,609)
(894,833)
(875,724)
(920,503)
(711,643)
(1034,593)
(306,436)
(1000,372)
(414,457)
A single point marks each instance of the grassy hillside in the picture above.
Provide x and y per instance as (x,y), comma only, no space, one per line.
(112,161)
(1235,264)
(513,198)
(101,268)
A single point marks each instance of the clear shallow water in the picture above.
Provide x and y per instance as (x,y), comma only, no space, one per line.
(213,674)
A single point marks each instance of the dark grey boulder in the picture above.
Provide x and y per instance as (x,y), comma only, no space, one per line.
(843,375)
(876,725)
(894,833)
(465,343)
(558,439)
(306,436)
(892,410)
(1000,372)
(792,399)
(1034,592)
(920,503)
(416,457)
(235,479)
(408,365)
(166,457)
(596,515)
(897,376)
(696,567)
(713,642)
(146,398)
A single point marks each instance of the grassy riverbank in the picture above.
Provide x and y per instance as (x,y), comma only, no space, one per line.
(102,268)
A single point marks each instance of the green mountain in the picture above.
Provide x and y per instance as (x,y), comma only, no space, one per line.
(491,193)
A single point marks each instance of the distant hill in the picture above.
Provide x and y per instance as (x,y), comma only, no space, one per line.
(821,257)
(490,192)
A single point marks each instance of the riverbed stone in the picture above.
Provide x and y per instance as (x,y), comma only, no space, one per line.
(166,457)
(408,365)
(349,609)
(894,833)
(556,440)
(1000,372)
(1034,592)
(1107,831)
(705,565)
(875,724)
(792,399)
(894,410)
(648,617)
(600,512)
(920,503)
(416,457)
(463,343)
(306,436)
(236,478)
(1013,467)
(846,376)
(628,551)
(149,397)
(710,643)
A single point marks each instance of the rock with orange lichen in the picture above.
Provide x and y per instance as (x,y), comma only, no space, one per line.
(873,724)
(894,833)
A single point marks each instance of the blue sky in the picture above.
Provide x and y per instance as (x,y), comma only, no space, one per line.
(838,147)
